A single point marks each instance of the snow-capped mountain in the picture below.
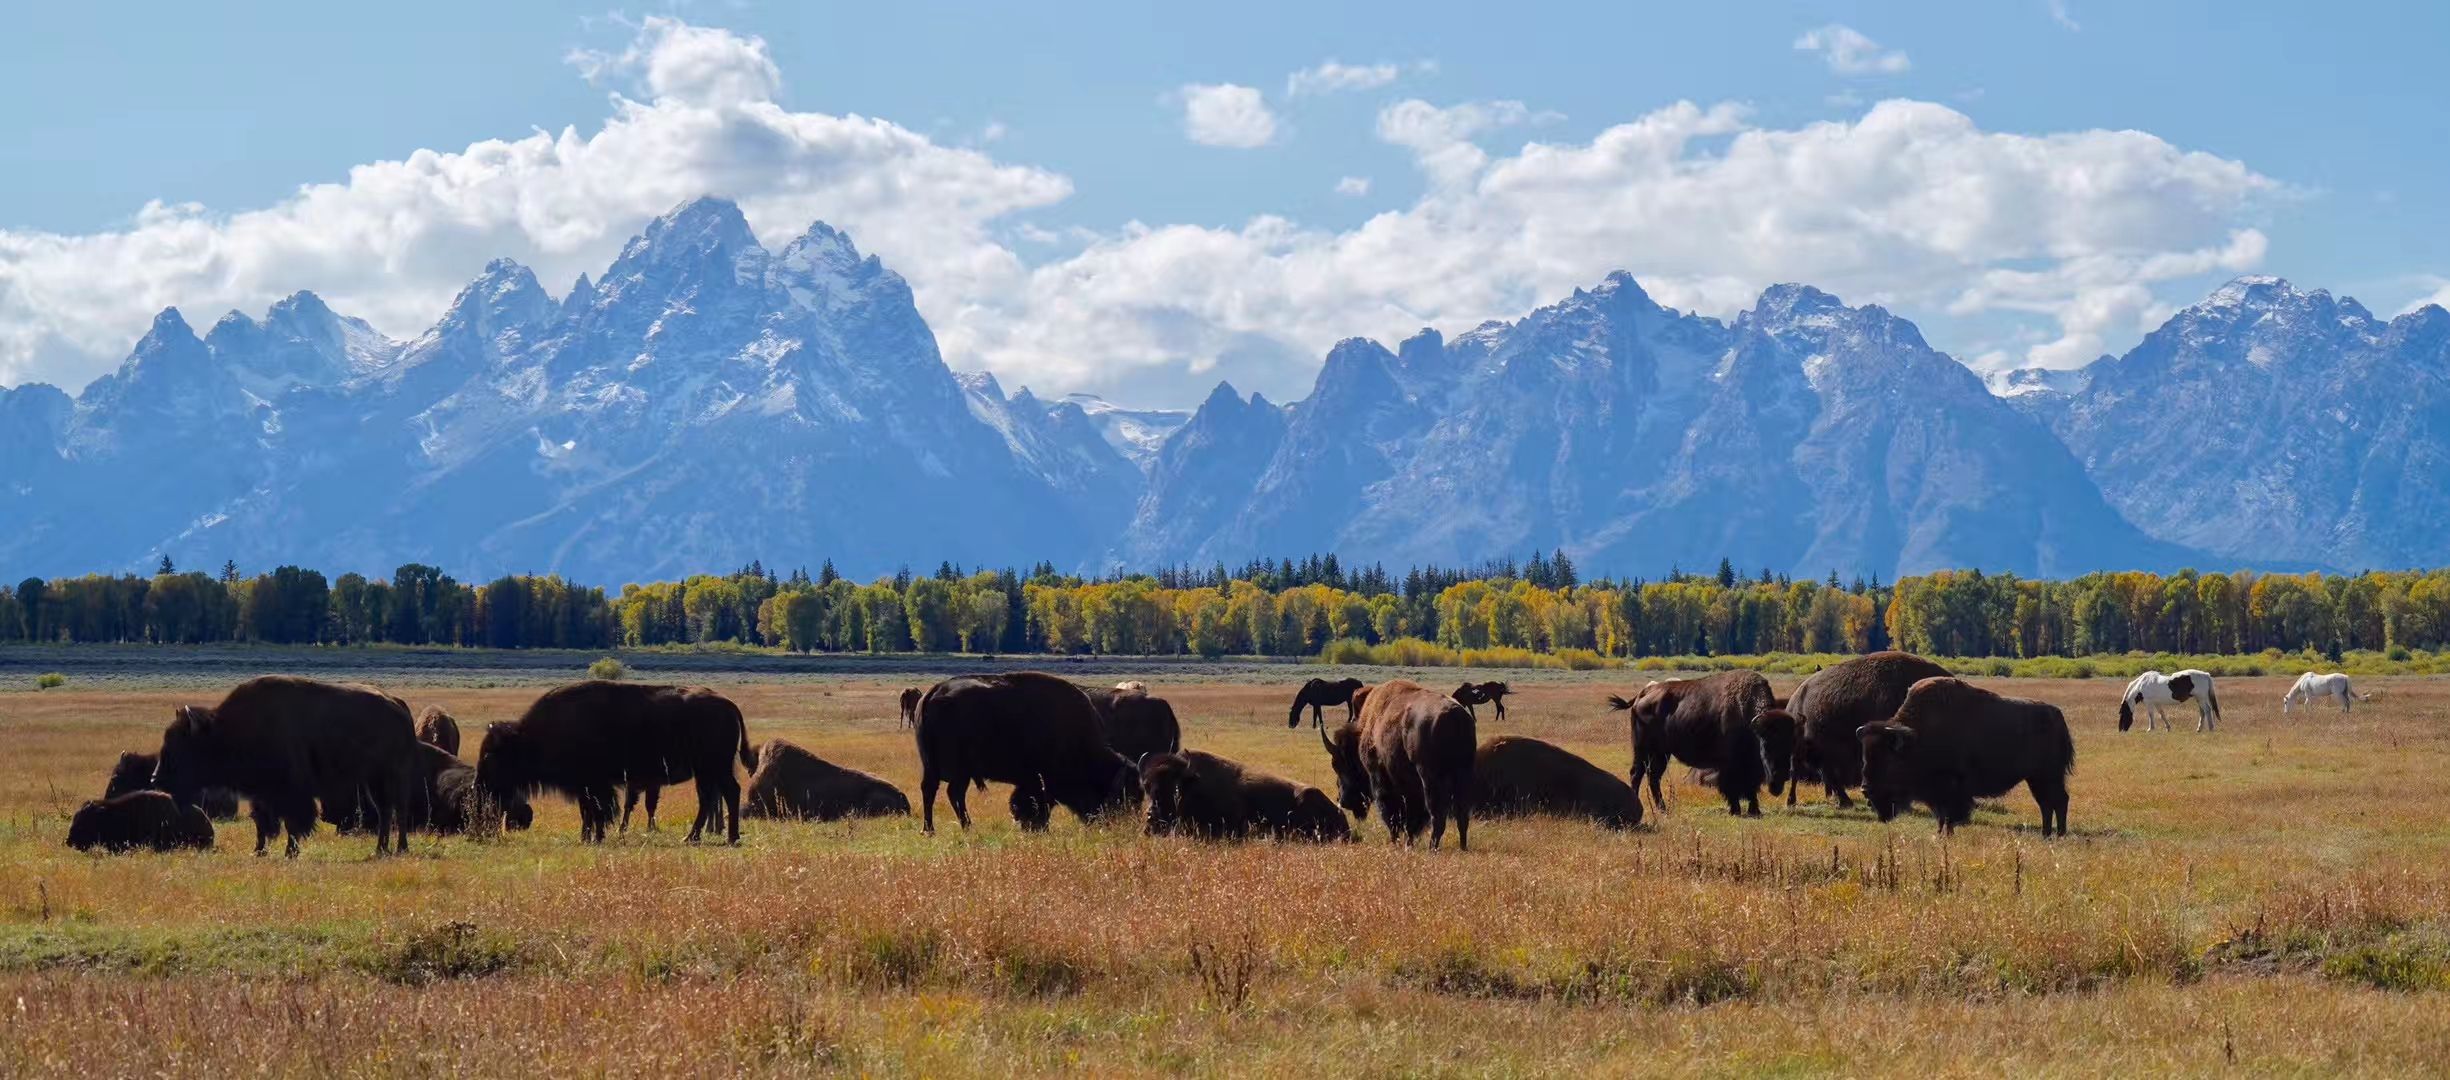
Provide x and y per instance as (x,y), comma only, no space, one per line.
(706,400)
(2272,423)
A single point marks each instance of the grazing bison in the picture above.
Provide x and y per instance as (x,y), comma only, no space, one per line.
(1517,775)
(455,802)
(436,728)
(286,742)
(1953,742)
(1410,750)
(792,783)
(1706,723)
(1136,723)
(134,772)
(1825,710)
(139,819)
(1317,694)
(910,707)
(1484,693)
(1037,732)
(587,739)
(1216,798)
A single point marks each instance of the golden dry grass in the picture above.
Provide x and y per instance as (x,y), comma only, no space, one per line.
(2274,897)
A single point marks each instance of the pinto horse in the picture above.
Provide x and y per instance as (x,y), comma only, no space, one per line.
(2311,686)
(2153,690)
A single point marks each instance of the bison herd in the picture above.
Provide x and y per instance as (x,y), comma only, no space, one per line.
(299,752)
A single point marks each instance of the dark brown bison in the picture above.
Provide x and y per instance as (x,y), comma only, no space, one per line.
(1137,723)
(1822,714)
(1317,694)
(1409,749)
(588,739)
(792,783)
(139,819)
(454,802)
(1706,723)
(134,772)
(1215,798)
(1035,731)
(910,706)
(1484,693)
(286,743)
(436,728)
(1953,742)
(1517,775)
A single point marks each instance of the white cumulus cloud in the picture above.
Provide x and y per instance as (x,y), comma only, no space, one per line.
(1849,52)
(1223,114)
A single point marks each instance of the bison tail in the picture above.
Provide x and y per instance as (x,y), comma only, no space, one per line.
(2067,746)
(1618,704)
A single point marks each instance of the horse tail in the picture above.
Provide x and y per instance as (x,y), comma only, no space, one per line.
(2211,697)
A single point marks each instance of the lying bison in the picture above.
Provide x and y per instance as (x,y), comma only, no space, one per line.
(1317,694)
(1706,723)
(1136,723)
(134,772)
(1513,774)
(588,739)
(792,783)
(1953,742)
(1037,732)
(1484,693)
(436,728)
(139,819)
(1215,798)
(287,742)
(1409,749)
(1823,713)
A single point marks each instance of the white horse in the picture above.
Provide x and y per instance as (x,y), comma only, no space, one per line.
(2311,687)
(2152,690)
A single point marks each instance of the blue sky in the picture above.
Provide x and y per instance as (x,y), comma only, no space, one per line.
(1038,179)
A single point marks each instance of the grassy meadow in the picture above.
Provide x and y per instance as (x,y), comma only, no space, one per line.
(2273,897)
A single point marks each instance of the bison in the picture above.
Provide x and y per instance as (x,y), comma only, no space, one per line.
(1037,732)
(1317,694)
(134,772)
(436,728)
(1822,714)
(1136,723)
(1484,693)
(1211,797)
(139,819)
(1707,723)
(792,783)
(1513,774)
(285,743)
(587,739)
(1409,749)
(1953,742)
(454,802)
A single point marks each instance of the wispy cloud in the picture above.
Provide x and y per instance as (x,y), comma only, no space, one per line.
(1355,186)
(2060,15)
(1332,76)
(1849,52)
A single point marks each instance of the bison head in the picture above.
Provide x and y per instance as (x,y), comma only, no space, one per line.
(1888,766)
(134,772)
(1352,780)
(1316,818)
(1161,779)
(85,829)
(1777,730)
(189,752)
(506,765)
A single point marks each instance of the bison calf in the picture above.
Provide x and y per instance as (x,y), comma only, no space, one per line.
(1518,775)
(139,819)
(1953,742)
(792,783)
(1217,798)
(1707,723)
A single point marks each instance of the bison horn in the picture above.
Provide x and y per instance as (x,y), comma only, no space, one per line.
(1324,741)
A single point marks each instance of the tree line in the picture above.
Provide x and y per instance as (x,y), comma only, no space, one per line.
(1285,607)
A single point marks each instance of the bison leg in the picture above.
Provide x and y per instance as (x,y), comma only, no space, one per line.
(927,796)
(297,819)
(2050,793)
(1653,766)
(957,792)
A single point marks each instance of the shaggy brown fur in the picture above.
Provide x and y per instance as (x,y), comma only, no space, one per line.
(1210,797)
(1034,731)
(1513,774)
(1953,742)
(436,728)
(587,739)
(1137,723)
(139,819)
(1836,700)
(1706,723)
(1409,749)
(792,783)
(286,743)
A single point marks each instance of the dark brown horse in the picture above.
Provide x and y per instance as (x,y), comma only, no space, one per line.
(1317,694)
